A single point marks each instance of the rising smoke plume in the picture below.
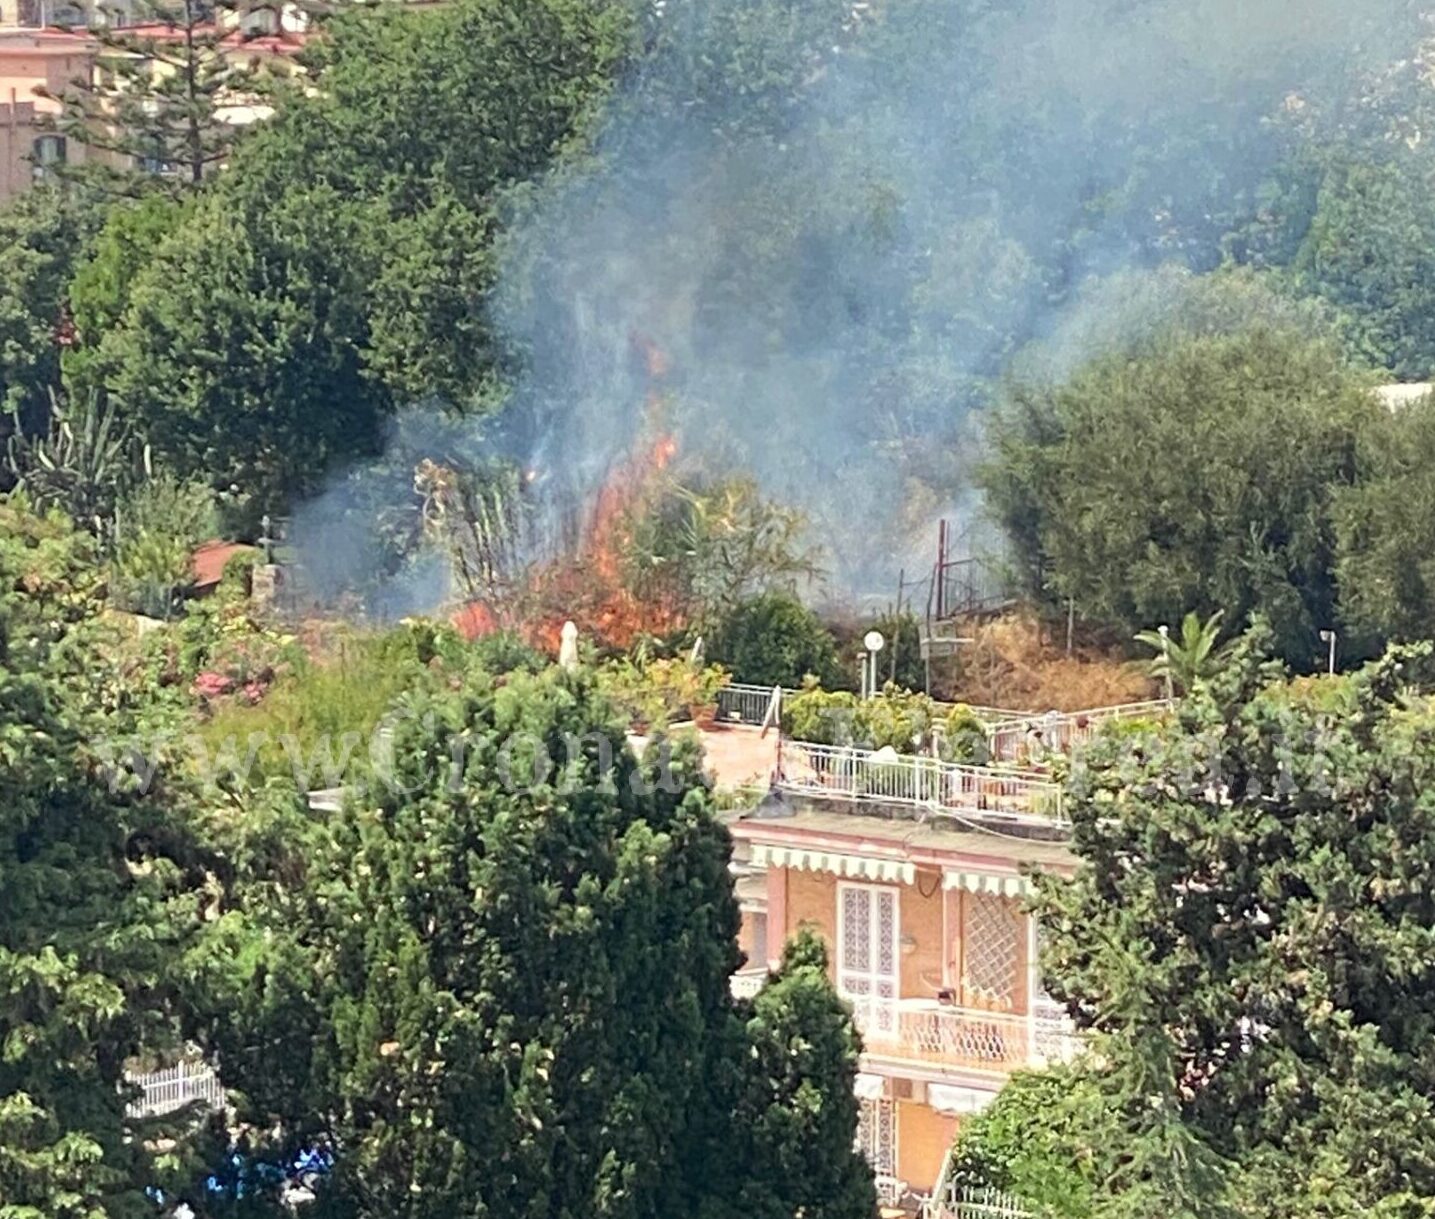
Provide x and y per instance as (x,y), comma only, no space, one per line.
(839,221)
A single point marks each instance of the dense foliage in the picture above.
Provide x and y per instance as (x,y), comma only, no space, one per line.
(88,934)
(1198,472)
(42,236)
(342,262)
(1385,529)
(1247,939)
(511,951)
(775,640)
(797,248)
(1040,1141)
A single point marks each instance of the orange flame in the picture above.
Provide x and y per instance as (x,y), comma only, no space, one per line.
(589,586)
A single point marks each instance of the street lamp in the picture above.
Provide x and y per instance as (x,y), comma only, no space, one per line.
(1329,637)
(874,643)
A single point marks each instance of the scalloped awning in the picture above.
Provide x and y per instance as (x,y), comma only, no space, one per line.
(998,884)
(851,867)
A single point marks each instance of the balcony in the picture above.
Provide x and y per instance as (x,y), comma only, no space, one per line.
(926,1031)
(1008,740)
(173,1088)
(888,778)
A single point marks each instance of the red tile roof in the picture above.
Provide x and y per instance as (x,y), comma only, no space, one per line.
(208,561)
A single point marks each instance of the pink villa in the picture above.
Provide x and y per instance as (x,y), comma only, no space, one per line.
(32,59)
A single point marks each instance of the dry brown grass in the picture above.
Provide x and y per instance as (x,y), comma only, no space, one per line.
(1011,665)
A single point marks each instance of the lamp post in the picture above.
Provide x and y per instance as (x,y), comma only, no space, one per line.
(1329,637)
(874,642)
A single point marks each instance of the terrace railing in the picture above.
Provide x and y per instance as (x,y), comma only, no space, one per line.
(174,1087)
(888,778)
(1000,1042)
(1062,732)
(748,704)
(978,1203)
(744,704)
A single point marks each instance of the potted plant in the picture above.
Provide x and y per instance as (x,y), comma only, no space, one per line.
(662,690)
(702,696)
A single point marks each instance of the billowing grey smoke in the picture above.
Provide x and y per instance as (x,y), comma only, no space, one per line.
(839,221)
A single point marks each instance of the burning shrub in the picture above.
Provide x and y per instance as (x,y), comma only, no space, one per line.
(703,549)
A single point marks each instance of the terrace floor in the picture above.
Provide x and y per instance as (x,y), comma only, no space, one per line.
(736,755)
(739,755)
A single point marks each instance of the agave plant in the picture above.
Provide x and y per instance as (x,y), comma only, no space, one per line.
(78,465)
(1190,657)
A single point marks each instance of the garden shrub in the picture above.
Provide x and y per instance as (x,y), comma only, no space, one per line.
(775,640)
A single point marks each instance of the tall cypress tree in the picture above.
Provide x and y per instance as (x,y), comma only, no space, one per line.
(503,988)
(84,936)
(797,1112)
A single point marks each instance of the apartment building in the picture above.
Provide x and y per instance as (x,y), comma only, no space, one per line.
(32,59)
(45,47)
(915,874)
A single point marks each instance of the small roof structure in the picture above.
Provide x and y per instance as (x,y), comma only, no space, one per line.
(208,562)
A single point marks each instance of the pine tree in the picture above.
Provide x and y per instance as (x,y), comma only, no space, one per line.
(151,106)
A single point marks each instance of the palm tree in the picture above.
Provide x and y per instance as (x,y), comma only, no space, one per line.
(1192,657)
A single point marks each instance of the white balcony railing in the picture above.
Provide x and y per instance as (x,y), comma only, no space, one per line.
(174,1087)
(747,982)
(922,1030)
(1010,739)
(889,778)
(958,1203)
(749,704)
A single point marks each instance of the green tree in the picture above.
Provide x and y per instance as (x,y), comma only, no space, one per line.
(86,936)
(99,290)
(1041,1141)
(1246,940)
(42,236)
(342,262)
(775,640)
(797,1111)
(520,1018)
(1367,251)
(1385,531)
(240,354)
(498,985)
(1196,472)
